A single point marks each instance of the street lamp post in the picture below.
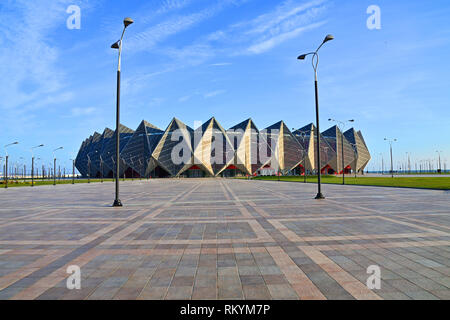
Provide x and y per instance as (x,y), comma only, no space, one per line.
(73,171)
(315,62)
(341,126)
(382,163)
(101,168)
(390,146)
(6,162)
(355,148)
(3,168)
(408,159)
(18,169)
(118,45)
(439,153)
(89,168)
(32,163)
(54,165)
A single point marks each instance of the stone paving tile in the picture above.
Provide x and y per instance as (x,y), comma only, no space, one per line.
(256,292)
(282,292)
(179,293)
(204,293)
(224,239)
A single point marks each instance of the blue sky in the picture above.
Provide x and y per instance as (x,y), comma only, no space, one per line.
(232,59)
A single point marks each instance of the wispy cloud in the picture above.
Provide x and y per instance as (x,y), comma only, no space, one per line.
(154,34)
(253,36)
(76,112)
(31,69)
(287,21)
(268,44)
(220,64)
(258,35)
(284,14)
(184,98)
(206,95)
(213,93)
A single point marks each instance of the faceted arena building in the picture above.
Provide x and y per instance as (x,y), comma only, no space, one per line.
(210,150)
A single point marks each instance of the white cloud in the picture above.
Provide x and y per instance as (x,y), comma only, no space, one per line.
(184,98)
(155,34)
(213,93)
(280,38)
(287,21)
(31,70)
(76,112)
(269,21)
(262,33)
(220,64)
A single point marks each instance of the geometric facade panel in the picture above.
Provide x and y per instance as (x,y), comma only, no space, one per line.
(213,149)
(176,133)
(109,150)
(360,148)
(287,152)
(344,152)
(252,152)
(137,154)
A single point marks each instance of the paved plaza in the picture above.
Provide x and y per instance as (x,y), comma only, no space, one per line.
(223,239)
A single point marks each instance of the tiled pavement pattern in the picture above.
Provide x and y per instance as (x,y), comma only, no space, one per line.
(223,239)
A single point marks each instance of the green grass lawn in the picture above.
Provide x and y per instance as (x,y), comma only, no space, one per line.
(413,182)
(442,183)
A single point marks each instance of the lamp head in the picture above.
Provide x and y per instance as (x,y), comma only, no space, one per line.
(328,38)
(115,45)
(127,22)
(302,57)
(352,120)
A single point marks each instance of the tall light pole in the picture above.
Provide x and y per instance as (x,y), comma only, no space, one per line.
(341,126)
(439,153)
(101,168)
(315,63)
(32,163)
(73,171)
(408,158)
(355,147)
(390,146)
(1,160)
(89,168)
(20,165)
(54,165)
(118,45)
(6,162)
(382,164)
